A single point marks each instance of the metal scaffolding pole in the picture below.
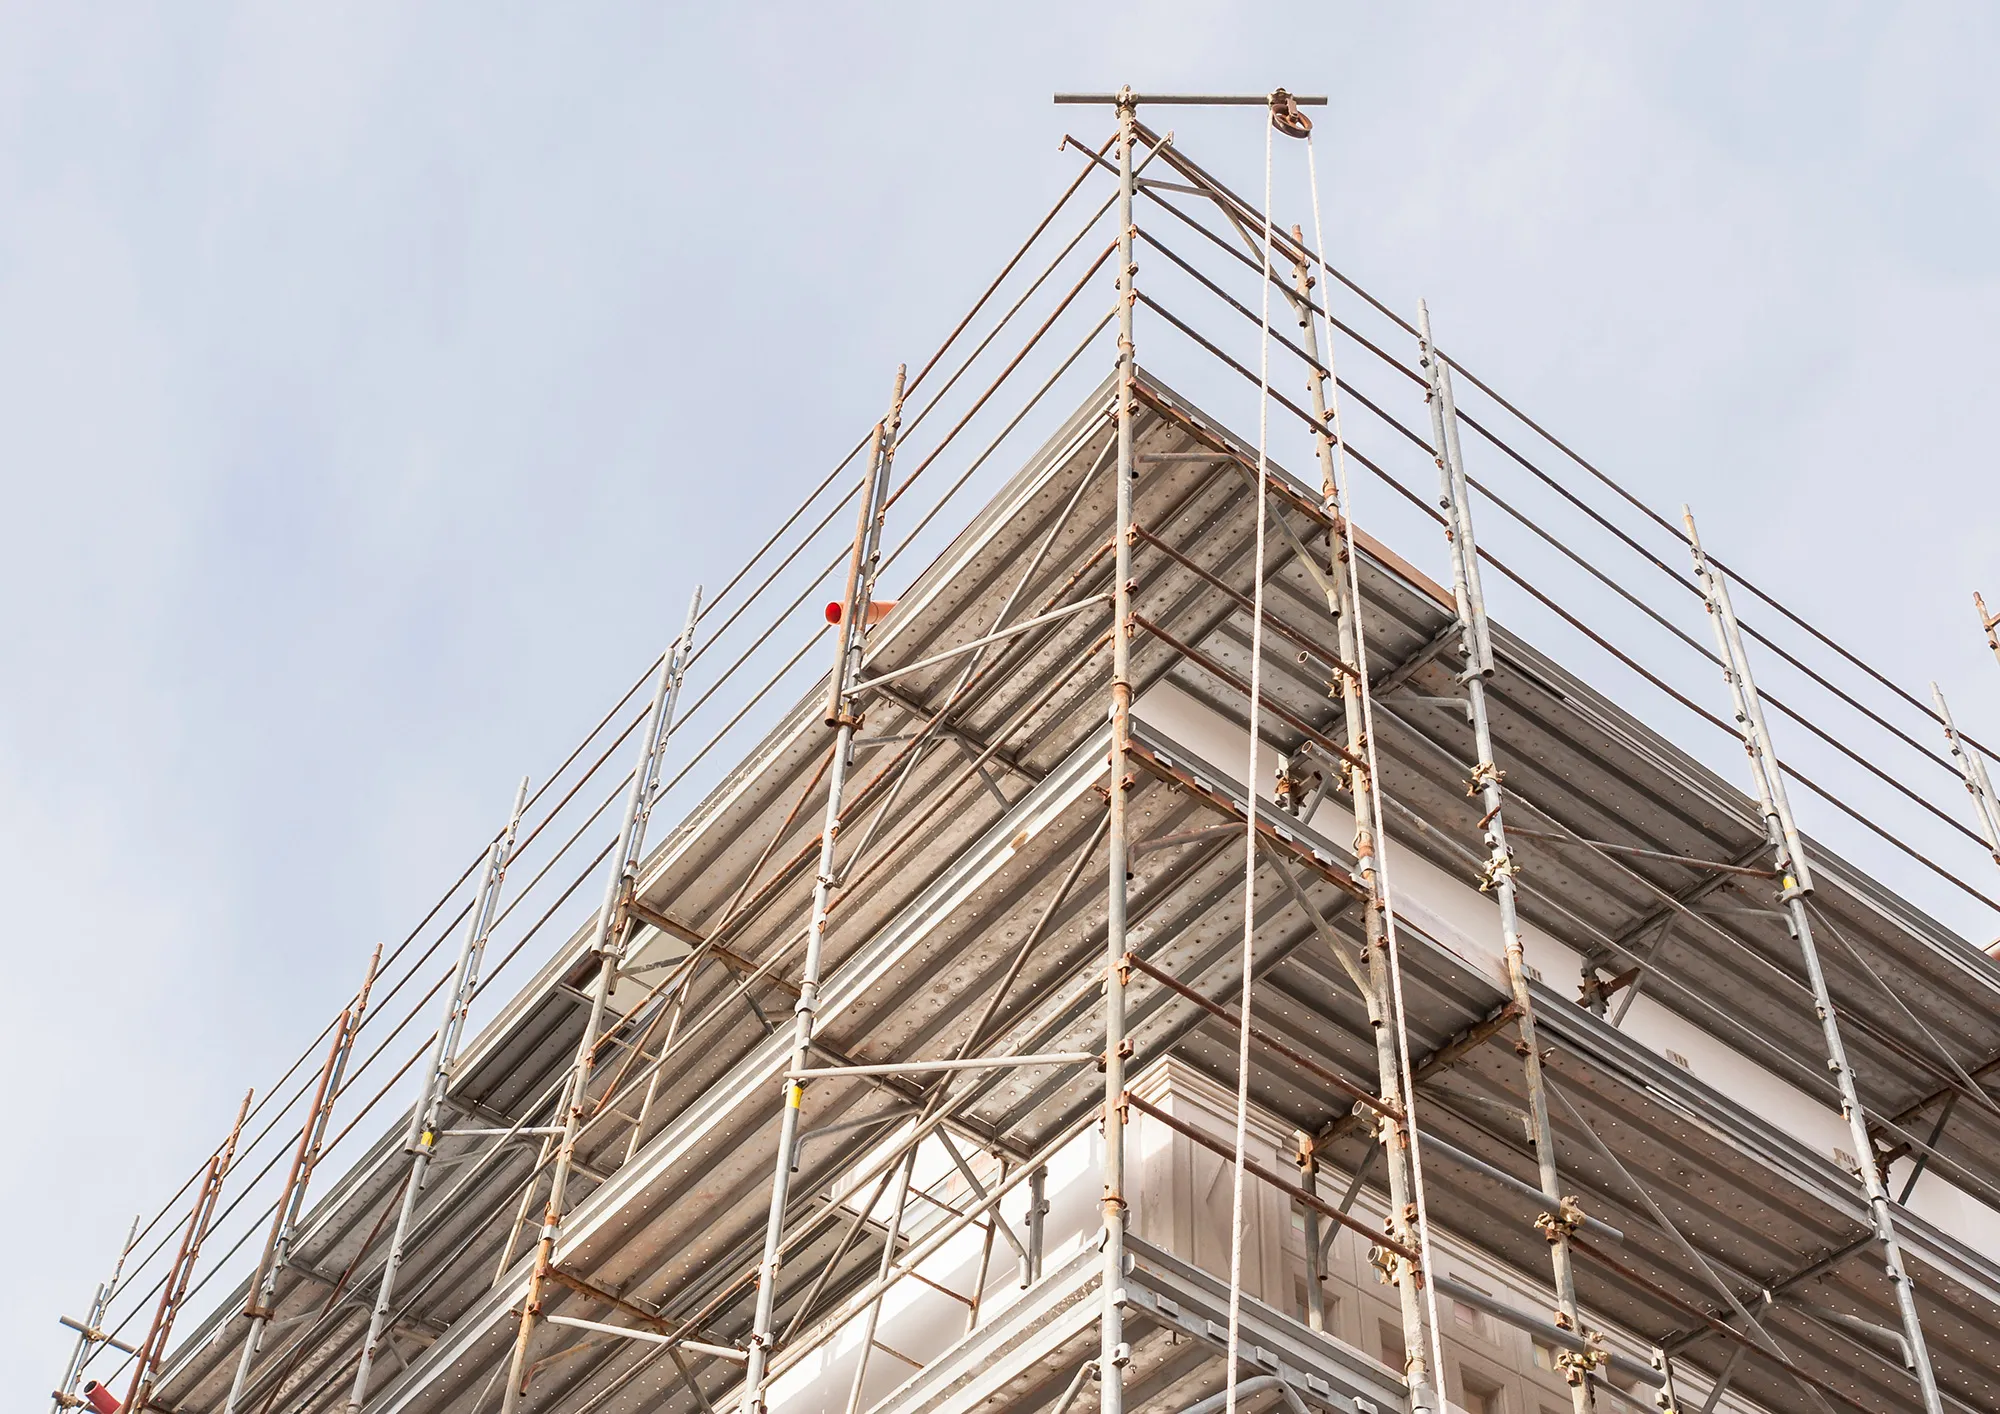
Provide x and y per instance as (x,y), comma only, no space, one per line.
(843,715)
(613,929)
(1496,876)
(1973,768)
(1308,1161)
(1989,624)
(1383,1016)
(173,1291)
(263,1287)
(90,1331)
(424,1118)
(1795,878)
(1112,1352)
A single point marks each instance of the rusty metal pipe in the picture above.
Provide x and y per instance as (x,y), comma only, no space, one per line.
(1285,1186)
(1125,98)
(1727,1332)
(1224,675)
(291,1200)
(1241,600)
(1005,271)
(1260,1036)
(174,1290)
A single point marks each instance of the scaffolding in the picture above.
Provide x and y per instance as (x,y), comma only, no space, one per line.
(902,855)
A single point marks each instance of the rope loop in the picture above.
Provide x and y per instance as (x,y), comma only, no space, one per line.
(1242,1127)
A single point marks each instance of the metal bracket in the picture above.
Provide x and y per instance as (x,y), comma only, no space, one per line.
(1568,1218)
(1500,866)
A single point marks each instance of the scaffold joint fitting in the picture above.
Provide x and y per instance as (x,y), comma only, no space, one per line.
(1566,1219)
(1498,867)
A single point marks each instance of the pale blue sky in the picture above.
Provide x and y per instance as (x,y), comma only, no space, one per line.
(349,353)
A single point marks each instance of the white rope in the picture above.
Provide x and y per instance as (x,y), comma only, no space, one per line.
(1250,813)
(1375,825)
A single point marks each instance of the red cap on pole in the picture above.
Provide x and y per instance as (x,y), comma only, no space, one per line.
(100,1398)
(878,610)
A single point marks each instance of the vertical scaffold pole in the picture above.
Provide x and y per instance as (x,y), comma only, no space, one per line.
(1560,1216)
(1384,1020)
(1308,1161)
(612,931)
(1795,879)
(1111,1348)
(291,1200)
(92,1334)
(1038,1215)
(844,716)
(1989,624)
(173,1291)
(424,1118)
(1973,768)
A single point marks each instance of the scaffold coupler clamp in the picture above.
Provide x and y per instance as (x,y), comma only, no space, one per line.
(1576,1364)
(1566,1219)
(1483,775)
(1500,866)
